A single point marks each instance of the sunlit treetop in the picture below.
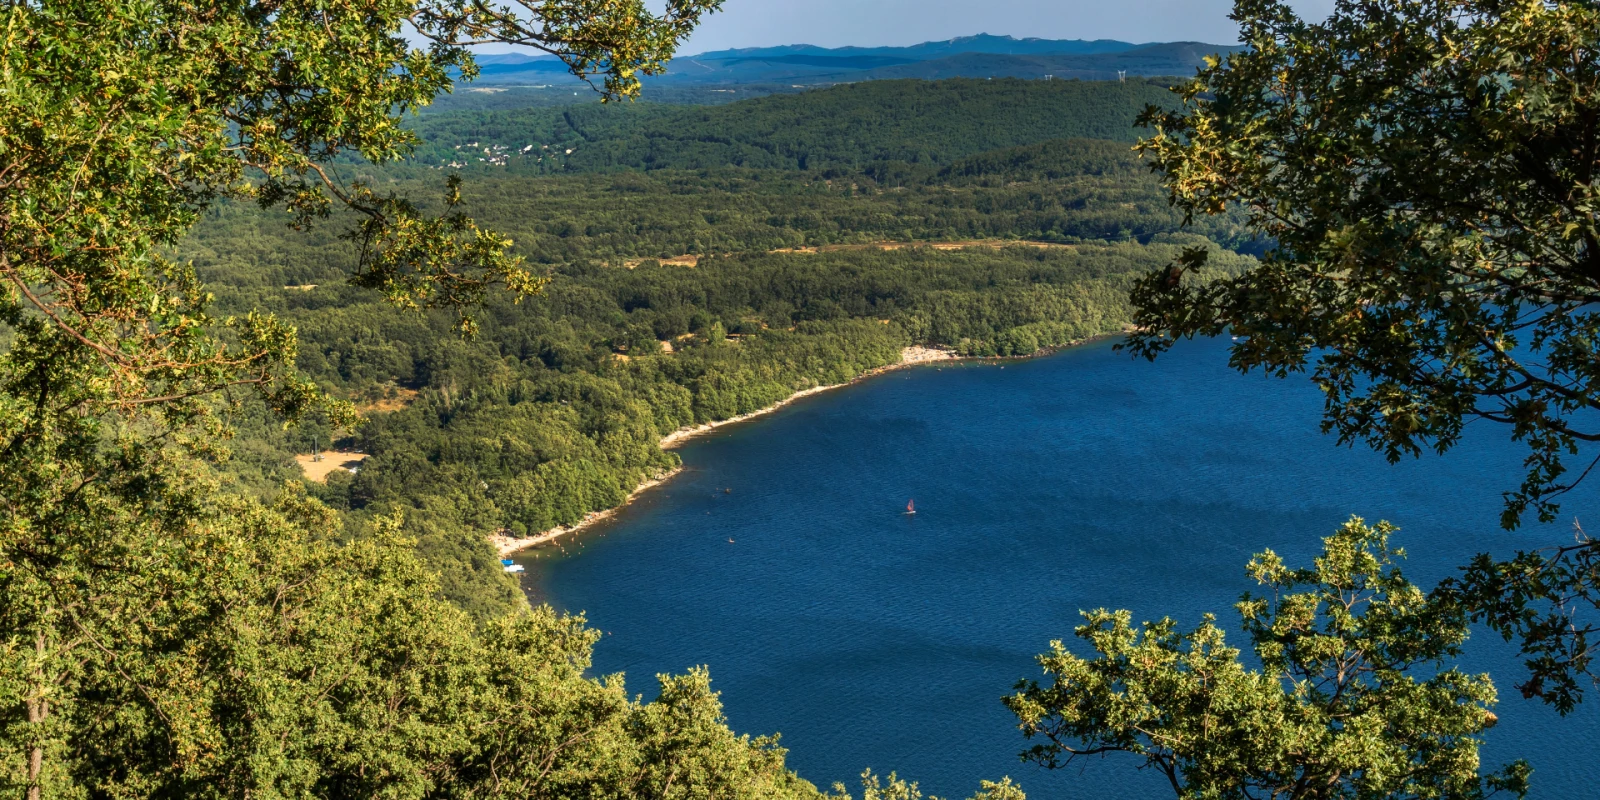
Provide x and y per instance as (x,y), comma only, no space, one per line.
(1355,696)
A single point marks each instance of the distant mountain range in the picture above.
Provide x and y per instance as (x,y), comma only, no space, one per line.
(982,43)
(981,56)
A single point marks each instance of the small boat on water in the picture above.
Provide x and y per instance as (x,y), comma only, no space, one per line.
(911,507)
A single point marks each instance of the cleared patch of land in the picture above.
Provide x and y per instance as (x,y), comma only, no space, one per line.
(675,261)
(962,244)
(402,397)
(951,245)
(330,460)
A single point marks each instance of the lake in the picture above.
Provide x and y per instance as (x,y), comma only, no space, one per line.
(781,558)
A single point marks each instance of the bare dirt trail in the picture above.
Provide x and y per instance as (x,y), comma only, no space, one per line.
(692,260)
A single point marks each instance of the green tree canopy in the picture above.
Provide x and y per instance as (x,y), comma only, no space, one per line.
(159,637)
(1428,170)
(1353,698)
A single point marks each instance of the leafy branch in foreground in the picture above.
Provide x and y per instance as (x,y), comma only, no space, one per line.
(1427,170)
(894,787)
(239,651)
(1430,173)
(1535,598)
(1339,708)
(159,637)
(620,39)
(120,127)
(416,261)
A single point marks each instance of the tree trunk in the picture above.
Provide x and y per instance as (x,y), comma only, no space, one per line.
(38,711)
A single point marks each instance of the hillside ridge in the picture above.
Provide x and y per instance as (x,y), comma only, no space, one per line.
(979,56)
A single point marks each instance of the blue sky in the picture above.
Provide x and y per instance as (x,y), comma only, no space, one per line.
(836,23)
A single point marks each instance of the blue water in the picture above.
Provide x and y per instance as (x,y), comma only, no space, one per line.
(1076,481)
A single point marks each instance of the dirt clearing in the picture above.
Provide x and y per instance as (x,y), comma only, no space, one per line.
(330,460)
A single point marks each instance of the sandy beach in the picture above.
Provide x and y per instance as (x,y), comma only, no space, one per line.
(909,356)
(506,545)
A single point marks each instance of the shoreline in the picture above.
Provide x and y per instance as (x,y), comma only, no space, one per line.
(506,545)
(915,355)
(909,357)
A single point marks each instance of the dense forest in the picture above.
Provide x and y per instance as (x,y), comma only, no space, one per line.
(1060,191)
(555,409)
(850,127)
(573,93)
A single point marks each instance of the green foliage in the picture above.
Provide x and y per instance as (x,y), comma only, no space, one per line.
(513,98)
(1352,700)
(163,637)
(111,151)
(618,39)
(913,122)
(1532,597)
(1427,170)
(246,653)
(896,788)
(1058,191)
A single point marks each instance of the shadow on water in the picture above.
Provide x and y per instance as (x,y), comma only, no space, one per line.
(1081,480)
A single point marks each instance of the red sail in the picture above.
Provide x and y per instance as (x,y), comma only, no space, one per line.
(911,507)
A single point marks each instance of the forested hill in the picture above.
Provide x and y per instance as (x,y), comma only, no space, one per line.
(980,56)
(927,51)
(848,127)
(1173,58)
